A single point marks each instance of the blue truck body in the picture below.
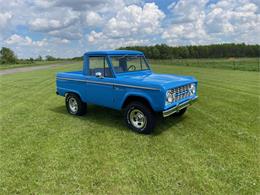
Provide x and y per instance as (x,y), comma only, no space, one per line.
(115,90)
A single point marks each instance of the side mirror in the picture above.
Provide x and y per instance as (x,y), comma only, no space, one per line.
(99,75)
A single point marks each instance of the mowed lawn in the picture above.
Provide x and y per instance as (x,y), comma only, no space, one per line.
(212,149)
(247,64)
(35,63)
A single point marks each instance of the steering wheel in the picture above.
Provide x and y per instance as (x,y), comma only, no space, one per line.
(131,68)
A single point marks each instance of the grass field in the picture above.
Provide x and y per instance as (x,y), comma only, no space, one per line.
(212,149)
(36,63)
(248,64)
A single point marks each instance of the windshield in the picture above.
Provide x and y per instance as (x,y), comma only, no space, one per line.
(128,63)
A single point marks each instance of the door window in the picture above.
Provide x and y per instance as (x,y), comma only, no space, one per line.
(99,64)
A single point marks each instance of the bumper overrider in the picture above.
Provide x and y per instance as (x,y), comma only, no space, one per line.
(180,106)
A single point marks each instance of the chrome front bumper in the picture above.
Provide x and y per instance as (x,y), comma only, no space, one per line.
(178,107)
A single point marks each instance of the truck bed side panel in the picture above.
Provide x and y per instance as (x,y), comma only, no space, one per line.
(74,84)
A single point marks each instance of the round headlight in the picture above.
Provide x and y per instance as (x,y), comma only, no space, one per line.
(169,96)
(192,89)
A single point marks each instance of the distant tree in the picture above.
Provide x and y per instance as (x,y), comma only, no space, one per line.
(227,50)
(39,58)
(183,52)
(77,58)
(7,56)
(50,58)
(155,53)
(31,60)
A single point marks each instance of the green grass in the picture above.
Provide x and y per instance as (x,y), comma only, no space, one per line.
(212,149)
(247,64)
(36,63)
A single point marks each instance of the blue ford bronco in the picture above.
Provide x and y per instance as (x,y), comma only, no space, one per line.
(123,80)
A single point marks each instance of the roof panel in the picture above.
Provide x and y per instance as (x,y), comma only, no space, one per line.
(114,52)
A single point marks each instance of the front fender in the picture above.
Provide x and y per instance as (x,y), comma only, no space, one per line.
(154,98)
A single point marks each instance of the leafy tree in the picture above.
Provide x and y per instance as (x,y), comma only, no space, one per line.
(227,50)
(155,52)
(7,56)
(50,58)
(39,58)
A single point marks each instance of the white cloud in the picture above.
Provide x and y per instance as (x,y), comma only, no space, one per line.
(65,41)
(135,20)
(202,22)
(67,19)
(71,27)
(232,17)
(85,5)
(71,33)
(43,24)
(48,24)
(98,40)
(43,3)
(81,4)
(188,23)
(187,10)
(95,36)
(59,41)
(93,19)
(4,19)
(14,39)
(24,41)
(132,25)
(23,45)
(61,23)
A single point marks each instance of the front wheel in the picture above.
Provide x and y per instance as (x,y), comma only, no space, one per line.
(139,117)
(74,104)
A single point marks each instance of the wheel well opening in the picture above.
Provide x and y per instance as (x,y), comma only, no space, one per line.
(73,94)
(130,99)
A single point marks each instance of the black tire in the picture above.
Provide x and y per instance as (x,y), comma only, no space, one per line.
(80,107)
(135,110)
(180,112)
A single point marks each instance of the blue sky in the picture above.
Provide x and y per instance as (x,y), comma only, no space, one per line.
(66,28)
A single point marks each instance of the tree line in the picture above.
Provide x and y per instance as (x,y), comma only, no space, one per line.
(7,56)
(164,51)
(160,51)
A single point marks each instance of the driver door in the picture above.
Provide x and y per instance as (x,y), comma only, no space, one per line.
(100,79)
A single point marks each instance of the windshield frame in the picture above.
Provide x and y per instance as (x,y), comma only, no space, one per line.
(130,55)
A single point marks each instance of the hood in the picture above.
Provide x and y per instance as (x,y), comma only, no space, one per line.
(167,81)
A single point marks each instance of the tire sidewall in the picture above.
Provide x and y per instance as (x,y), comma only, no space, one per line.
(150,120)
(81,106)
(68,105)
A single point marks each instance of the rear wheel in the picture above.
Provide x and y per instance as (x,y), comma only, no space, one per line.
(74,105)
(139,117)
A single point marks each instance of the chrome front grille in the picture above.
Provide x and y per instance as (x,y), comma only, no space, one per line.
(181,92)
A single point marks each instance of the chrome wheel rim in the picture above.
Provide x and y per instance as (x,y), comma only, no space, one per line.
(73,104)
(138,119)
